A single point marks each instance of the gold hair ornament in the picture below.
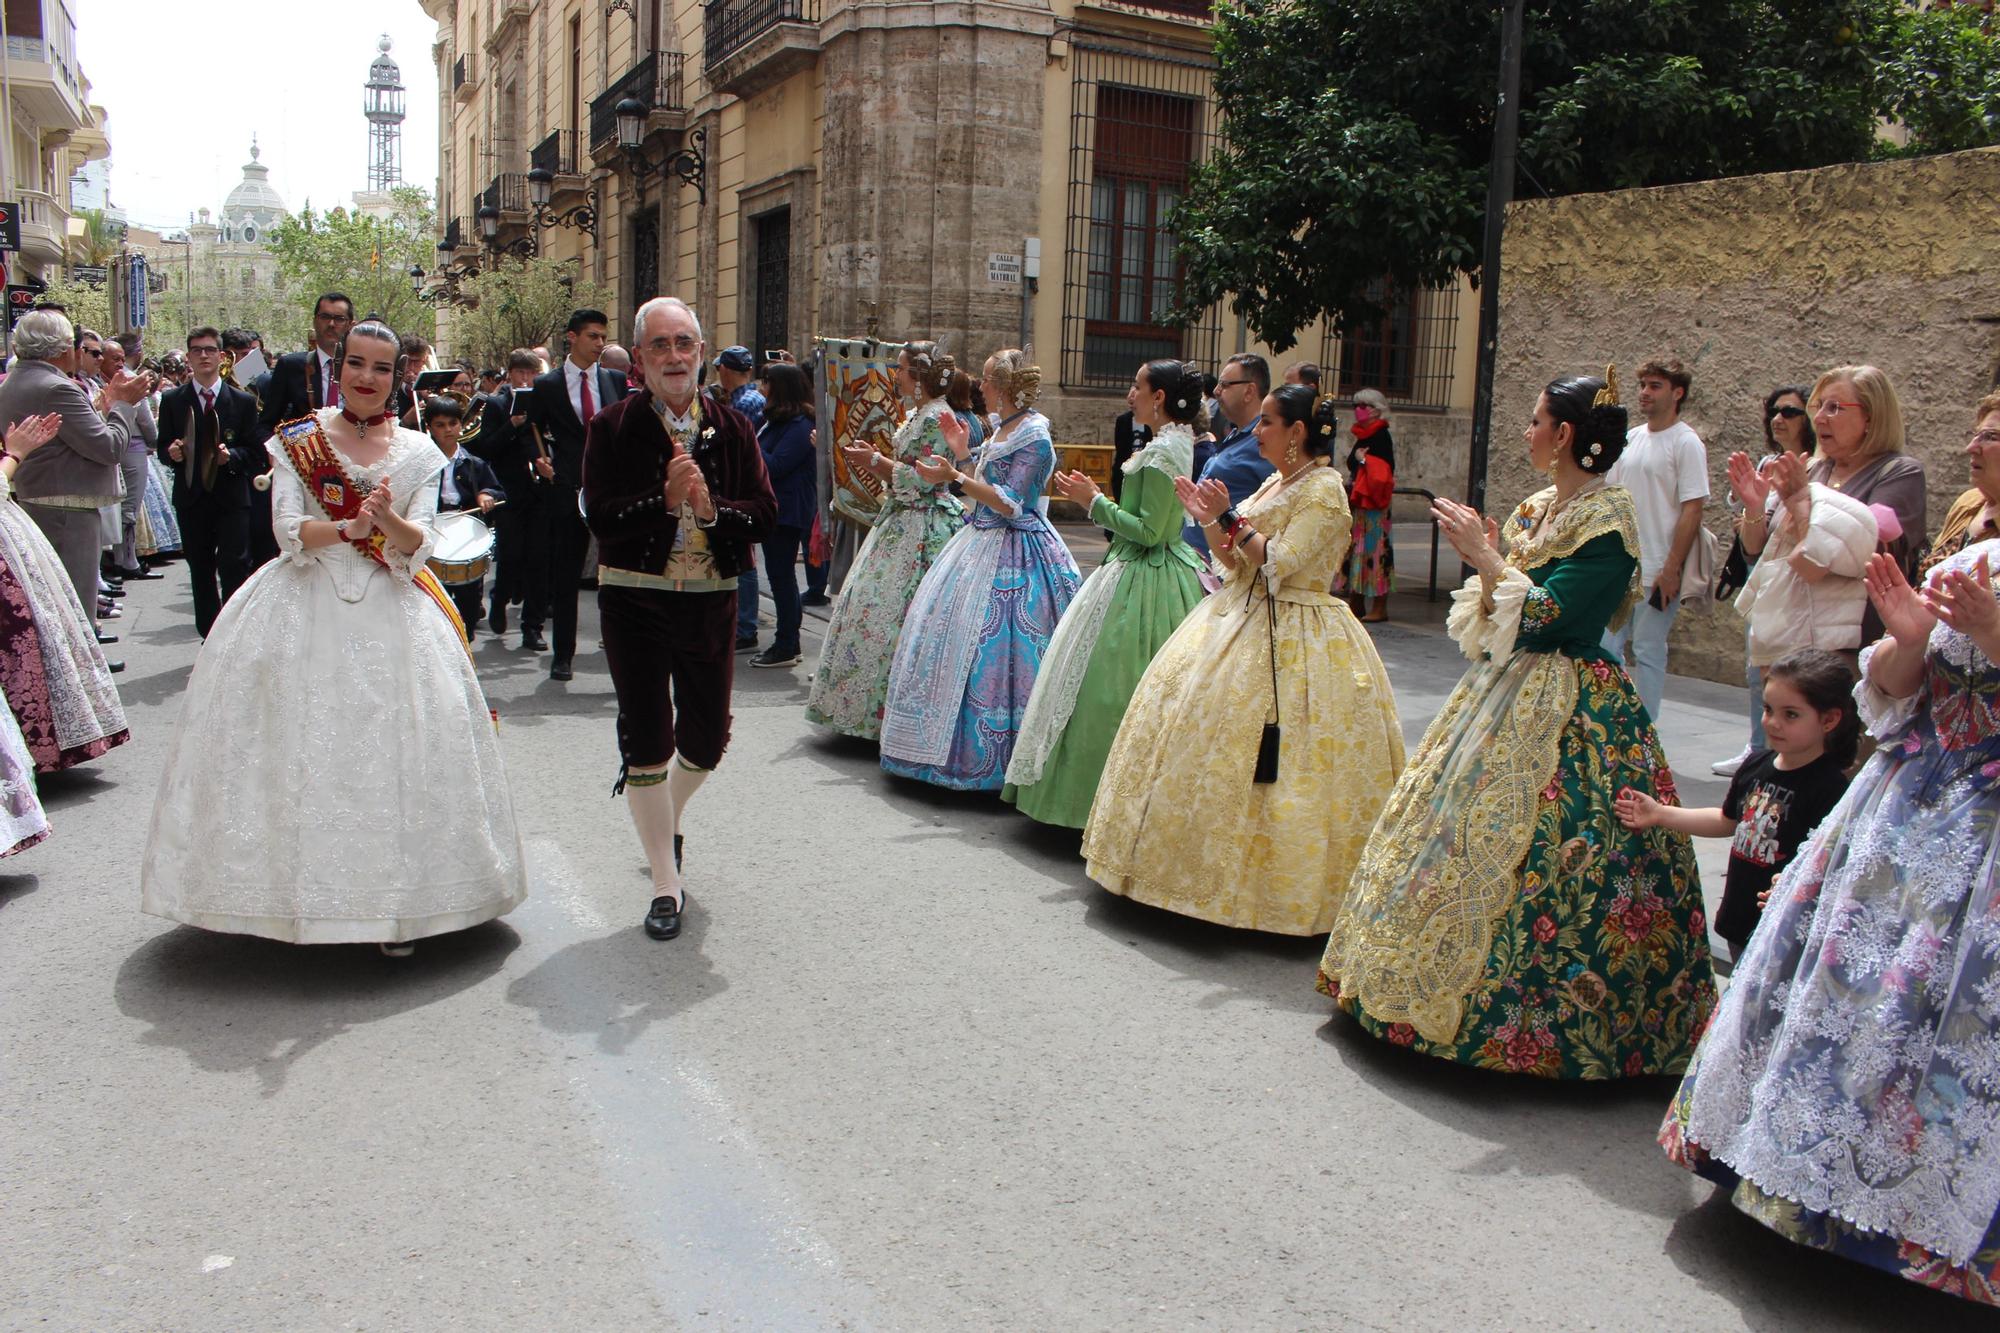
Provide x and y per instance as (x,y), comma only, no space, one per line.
(1608,395)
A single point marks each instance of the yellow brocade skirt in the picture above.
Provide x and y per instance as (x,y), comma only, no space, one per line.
(1178,822)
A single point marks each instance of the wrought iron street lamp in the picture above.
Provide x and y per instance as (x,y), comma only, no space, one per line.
(541,184)
(689,162)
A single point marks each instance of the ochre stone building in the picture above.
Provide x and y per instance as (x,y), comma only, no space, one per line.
(899,160)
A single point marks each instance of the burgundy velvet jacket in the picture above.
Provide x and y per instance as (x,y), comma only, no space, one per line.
(625,481)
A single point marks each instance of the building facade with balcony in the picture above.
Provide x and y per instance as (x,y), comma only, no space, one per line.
(889,159)
(54,131)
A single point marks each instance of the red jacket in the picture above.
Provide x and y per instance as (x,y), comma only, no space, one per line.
(1374,486)
(625,480)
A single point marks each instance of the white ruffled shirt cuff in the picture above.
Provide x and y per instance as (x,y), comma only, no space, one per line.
(1882,716)
(1481,633)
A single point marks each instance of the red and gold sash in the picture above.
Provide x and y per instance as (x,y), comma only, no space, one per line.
(320,471)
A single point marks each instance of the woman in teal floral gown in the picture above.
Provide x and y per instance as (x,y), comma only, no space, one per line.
(1848,1092)
(916,519)
(1502,916)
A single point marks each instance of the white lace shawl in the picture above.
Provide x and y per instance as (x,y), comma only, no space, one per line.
(411,466)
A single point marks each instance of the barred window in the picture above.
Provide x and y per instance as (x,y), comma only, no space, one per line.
(1407,353)
(1138,126)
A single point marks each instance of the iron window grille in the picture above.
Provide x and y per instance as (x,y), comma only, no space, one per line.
(1407,354)
(1138,125)
(728,25)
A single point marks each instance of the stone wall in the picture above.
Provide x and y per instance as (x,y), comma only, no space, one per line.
(1754,282)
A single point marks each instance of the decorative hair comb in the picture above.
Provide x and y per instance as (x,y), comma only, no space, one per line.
(1608,395)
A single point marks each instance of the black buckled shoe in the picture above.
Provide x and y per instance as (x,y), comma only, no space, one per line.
(663,918)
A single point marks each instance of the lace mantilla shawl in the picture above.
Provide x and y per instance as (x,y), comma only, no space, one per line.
(1439,873)
(1485,626)
(1171,451)
(411,468)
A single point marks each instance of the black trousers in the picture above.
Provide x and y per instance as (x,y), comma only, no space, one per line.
(521,533)
(470,599)
(569,539)
(673,660)
(215,542)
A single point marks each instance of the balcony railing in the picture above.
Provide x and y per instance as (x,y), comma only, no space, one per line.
(457,232)
(658,80)
(728,25)
(555,154)
(507,192)
(464,76)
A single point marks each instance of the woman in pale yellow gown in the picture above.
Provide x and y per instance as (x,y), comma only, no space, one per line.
(1179,821)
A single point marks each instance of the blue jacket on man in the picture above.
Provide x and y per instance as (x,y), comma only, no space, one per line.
(788,457)
(1237,465)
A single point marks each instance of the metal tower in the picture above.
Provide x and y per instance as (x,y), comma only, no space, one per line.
(384,108)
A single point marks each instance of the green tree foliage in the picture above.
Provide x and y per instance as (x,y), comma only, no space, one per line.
(1940,80)
(519,304)
(369,258)
(1359,131)
(103,239)
(87,304)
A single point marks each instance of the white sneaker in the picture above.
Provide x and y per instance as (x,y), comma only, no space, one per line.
(1726,768)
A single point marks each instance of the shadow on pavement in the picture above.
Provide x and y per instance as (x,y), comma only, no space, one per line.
(15,887)
(237,1003)
(1537,1126)
(614,987)
(1774,1281)
(1237,965)
(81,785)
(158,688)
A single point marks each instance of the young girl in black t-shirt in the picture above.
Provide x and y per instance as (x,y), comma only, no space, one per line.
(1779,795)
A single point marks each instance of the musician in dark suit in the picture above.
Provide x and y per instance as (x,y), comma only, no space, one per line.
(509,440)
(566,398)
(213,443)
(300,383)
(467,484)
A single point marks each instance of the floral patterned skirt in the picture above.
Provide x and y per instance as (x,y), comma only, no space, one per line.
(1595,952)
(1370,568)
(851,681)
(1848,1087)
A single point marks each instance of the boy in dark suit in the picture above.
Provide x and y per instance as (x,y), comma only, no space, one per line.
(467,484)
(213,443)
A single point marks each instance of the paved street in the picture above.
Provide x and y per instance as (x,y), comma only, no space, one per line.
(907,1068)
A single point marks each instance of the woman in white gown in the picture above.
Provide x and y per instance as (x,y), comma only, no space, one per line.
(334,777)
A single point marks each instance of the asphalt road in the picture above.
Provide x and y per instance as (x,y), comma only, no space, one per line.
(907,1068)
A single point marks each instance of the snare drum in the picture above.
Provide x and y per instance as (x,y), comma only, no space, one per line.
(464,549)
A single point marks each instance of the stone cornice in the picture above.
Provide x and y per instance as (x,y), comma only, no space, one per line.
(1022,16)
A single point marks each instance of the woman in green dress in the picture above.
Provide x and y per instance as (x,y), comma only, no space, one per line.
(1502,916)
(1124,612)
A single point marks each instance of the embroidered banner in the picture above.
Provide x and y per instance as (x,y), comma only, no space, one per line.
(859,405)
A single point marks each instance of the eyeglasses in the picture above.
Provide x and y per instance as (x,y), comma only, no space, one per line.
(1231,384)
(1981,439)
(1830,407)
(682,344)
(92,351)
(1788,412)
(204,351)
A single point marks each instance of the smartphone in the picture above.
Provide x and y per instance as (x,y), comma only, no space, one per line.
(1656,601)
(776,354)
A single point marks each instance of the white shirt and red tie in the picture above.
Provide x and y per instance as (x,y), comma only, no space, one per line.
(582,397)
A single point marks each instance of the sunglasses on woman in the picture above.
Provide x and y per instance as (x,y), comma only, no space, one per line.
(1788,412)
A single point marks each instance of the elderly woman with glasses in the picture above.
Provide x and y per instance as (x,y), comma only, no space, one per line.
(1975,515)
(1858,421)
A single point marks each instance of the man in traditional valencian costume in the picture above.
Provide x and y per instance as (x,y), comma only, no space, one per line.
(676,494)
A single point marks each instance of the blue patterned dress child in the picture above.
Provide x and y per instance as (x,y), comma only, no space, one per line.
(980,624)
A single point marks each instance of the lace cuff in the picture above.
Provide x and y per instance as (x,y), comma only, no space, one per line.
(1481,633)
(1882,716)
